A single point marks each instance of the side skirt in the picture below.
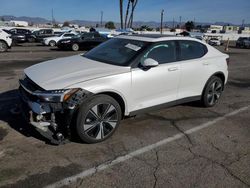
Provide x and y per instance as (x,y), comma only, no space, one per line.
(165,105)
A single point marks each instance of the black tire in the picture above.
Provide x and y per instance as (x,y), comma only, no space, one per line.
(52,43)
(31,40)
(212,91)
(98,119)
(75,47)
(3,46)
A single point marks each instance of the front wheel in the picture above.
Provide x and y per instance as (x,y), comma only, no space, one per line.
(212,92)
(3,46)
(52,43)
(98,119)
(75,47)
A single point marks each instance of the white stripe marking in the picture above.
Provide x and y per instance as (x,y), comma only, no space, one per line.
(140,151)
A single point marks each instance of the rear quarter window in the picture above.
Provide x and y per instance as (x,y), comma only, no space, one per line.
(191,49)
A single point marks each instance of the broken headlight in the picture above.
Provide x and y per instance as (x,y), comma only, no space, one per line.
(61,95)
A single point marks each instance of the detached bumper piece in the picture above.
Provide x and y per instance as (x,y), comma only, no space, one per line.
(51,119)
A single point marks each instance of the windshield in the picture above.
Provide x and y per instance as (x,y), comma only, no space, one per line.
(7,31)
(76,36)
(116,51)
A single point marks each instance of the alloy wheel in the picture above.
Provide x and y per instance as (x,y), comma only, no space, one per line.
(75,47)
(214,92)
(3,47)
(100,121)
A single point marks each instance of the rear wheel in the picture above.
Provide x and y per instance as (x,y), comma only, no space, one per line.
(52,43)
(98,119)
(3,46)
(212,92)
(75,47)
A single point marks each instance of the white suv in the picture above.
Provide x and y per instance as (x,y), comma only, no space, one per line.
(122,77)
(52,41)
(5,41)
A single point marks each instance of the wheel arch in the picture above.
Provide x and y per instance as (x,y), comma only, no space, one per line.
(4,42)
(218,74)
(118,98)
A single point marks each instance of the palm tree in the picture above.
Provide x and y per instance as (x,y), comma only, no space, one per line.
(121,13)
(127,11)
(130,22)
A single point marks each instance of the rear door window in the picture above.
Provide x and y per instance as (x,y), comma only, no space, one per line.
(191,49)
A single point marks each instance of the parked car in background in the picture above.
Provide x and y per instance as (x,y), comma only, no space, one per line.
(125,76)
(16,37)
(5,41)
(82,41)
(240,42)
(215,42)
(39,35)
(20,31)
(246,43)
(52,41)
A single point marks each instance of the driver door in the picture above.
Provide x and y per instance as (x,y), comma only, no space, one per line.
(156,85)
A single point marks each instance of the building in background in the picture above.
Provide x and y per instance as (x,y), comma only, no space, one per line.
(17,23)
(230,28)
(215,28)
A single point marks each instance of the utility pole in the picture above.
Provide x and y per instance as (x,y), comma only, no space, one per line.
(101,17)
(173,24)
(180,21)
(162,12)
(52,16)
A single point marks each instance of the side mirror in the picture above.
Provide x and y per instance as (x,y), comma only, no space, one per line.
(149,62)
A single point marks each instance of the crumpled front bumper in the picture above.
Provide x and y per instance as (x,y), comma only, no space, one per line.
(50,119)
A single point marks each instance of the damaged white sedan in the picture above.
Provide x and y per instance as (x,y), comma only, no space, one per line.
(91,93)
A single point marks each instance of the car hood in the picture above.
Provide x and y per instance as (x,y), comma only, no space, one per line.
(64,72)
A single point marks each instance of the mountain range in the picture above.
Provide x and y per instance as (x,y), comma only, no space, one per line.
(136,24)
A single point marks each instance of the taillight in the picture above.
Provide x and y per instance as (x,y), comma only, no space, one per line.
(228,60)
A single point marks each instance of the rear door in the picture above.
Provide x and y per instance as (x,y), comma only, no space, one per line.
(157,85)
(194,68)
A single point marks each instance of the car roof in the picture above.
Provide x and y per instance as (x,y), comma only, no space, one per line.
(155,37)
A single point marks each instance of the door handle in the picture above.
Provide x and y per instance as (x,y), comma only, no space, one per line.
(173,69)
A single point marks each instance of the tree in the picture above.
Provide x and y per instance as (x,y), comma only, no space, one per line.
(127,12)
(130,22)
(129,15)
(66,24)
(110,25)
(145,28)
(121,13)
(2,19)
(189,25)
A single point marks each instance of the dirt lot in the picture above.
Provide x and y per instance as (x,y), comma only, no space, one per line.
(183,146)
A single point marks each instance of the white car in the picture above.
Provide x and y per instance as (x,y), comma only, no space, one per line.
(215,42)
(122,77)
(5,41)
(52,41)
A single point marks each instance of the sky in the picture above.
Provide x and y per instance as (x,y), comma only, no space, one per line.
(233,11)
